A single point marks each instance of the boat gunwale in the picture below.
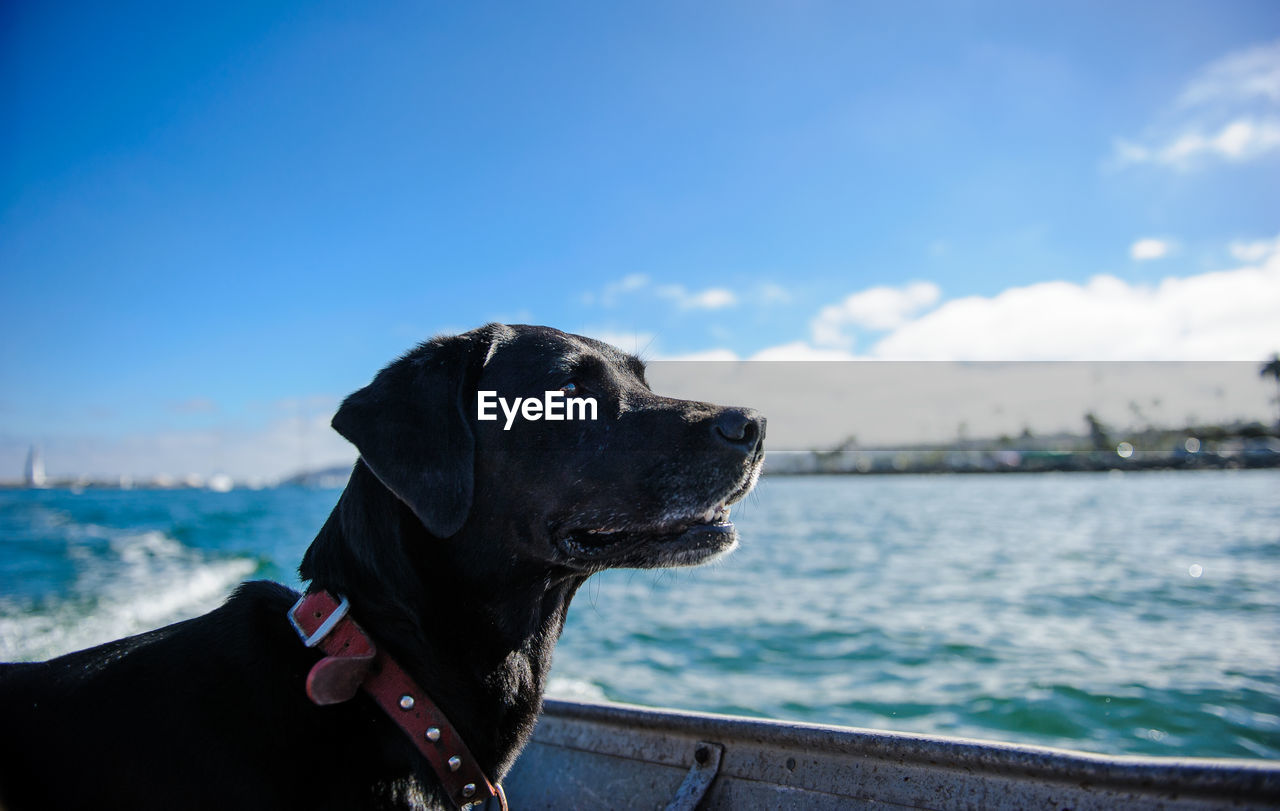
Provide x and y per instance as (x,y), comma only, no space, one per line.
(1246,777)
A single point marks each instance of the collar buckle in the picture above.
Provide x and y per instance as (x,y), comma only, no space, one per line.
(325,628)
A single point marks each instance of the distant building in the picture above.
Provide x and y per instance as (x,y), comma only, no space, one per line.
(34,476)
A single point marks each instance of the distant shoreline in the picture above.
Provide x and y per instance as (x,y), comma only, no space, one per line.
(1070,466)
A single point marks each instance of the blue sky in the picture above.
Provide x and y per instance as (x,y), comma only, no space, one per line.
(215,221)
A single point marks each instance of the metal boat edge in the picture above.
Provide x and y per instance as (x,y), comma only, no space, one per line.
(620,756)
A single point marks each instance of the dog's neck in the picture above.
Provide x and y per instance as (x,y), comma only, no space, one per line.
(476,635)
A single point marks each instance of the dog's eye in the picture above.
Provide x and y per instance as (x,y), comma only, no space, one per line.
(570,388)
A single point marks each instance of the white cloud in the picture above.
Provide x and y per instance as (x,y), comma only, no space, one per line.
(1224,315)
(1229,111)
(1239,140)
(635,281)
(1244,75)
(877,308)
(1145,249)
(608,297)
(1255,251)
(633,342)
(713,298)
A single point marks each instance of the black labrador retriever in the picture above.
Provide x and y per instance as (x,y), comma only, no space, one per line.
(458,544)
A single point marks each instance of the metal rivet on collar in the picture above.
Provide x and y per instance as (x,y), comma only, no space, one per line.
(433,733)
(455,763)
(468,789)
(406,702)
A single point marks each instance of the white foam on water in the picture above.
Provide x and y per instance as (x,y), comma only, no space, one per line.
(574,689)
(137,582)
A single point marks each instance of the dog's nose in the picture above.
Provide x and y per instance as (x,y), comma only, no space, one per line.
(740,427)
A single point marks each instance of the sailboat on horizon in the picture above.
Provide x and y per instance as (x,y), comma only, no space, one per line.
(33,475)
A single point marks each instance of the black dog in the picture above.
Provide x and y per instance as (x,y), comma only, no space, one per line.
(459,544)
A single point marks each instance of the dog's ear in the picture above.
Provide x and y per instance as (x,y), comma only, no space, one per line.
(411,430)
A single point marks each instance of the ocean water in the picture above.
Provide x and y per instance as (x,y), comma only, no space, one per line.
(1116,613)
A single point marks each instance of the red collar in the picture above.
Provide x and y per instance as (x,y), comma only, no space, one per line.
(352,662)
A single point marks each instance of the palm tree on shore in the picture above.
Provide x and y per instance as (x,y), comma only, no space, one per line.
(1271,369)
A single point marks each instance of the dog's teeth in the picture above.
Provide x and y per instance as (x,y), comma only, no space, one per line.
(726,513)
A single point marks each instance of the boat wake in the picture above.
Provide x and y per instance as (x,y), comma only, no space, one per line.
(121,582)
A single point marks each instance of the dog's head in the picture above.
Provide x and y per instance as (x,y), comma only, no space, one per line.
(638,480)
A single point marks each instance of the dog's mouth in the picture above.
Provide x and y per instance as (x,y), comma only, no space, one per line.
(681,542)
(684,539)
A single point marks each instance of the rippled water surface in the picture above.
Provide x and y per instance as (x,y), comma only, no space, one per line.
(1135,613)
